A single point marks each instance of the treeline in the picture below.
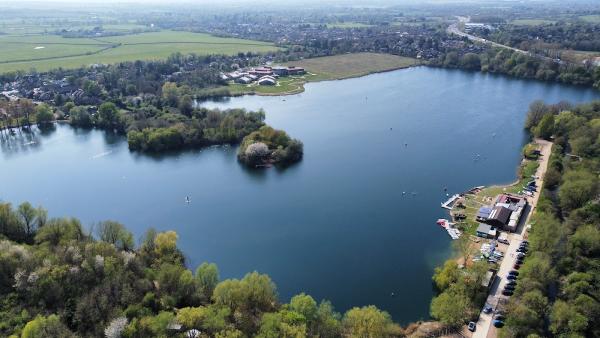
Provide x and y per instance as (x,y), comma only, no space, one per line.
(558,291)
(169,122)
(58,279)
(23,113)
(461,294)
(517,64)
(571,35)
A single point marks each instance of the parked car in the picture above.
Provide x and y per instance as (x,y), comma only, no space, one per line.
(511,277)
(507,292)
(487,309)
(523,250)
(498,323)
(499,317)
(525,241)
(513,272)
(520,255)
(511,282)
(509,287)
(472,326)
(517,266)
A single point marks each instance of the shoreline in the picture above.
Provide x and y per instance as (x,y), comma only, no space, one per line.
(302,89)
(484,324)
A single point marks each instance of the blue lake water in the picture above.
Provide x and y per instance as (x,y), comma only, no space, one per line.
(353,222)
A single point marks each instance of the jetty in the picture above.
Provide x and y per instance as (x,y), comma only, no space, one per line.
(450,201)
(446,224)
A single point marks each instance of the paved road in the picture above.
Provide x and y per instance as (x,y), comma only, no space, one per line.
(453,29)
(485,329)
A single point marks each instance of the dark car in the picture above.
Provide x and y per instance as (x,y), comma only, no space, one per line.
(513,272)
(525,241)
(487,309)
(517,266)
(498,323)
(499,317)
(520,255)
(509,287)
(511,277)
(507,292)
(523,250)
(511,282)
(472,326)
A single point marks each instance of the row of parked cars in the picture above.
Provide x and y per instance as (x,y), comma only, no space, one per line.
(509,287)
(511,279)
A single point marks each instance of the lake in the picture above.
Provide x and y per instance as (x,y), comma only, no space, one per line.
(353,222)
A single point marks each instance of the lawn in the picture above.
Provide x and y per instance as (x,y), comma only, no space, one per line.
(19,53)
(325,68)
(353,65)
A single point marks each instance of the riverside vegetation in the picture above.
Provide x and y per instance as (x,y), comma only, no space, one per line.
(59,280)
(168,122)
(557,294)
(267,145)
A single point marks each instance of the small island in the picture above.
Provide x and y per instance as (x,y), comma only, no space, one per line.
(268,146)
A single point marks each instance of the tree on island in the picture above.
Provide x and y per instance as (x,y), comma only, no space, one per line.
(270,146)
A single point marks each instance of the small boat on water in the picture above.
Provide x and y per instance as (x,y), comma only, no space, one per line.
(187,199)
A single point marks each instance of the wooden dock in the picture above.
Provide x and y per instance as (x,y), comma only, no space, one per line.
(450,201)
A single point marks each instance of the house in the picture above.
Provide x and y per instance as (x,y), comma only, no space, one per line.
(293,70)
(261,71)
(280,71)
(499,216)
(267,81)
(243,80)
(483,214)
(486,231)
(510,210)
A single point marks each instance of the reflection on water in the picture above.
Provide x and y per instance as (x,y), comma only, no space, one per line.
(336,225)
(20,140)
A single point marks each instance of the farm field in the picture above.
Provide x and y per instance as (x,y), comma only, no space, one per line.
(25,51)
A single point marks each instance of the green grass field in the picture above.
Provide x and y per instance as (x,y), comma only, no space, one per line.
(335,67)
(531,22)
(353,65)
(20,52)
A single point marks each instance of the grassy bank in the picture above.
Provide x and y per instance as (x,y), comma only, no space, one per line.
(486,196)
(327,68)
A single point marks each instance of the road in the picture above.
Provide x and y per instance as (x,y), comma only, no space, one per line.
(454,29)
(485,329)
